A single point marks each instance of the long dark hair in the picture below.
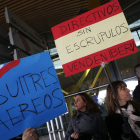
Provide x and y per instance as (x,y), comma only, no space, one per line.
(111,102)
(91,106)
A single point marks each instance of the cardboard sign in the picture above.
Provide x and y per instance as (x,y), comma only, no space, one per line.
(30,94)
(97,36)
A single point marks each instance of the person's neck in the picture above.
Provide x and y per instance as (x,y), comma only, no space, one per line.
(83,110)
(122,103)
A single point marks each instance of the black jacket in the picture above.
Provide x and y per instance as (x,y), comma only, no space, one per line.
(114,125)
(136,93)
(87,125)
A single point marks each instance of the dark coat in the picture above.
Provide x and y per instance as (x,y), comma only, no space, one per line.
(114,125)
(136,93)
(87,125)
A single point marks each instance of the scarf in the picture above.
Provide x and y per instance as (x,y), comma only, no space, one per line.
(131,118)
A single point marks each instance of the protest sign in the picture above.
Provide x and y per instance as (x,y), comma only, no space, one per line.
(97,36)
(30,94)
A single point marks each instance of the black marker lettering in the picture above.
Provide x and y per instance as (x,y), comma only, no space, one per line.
(79,33)
(21,86)
(81,21)
(12,118)
(52,75)
(69,27)
(81,63)
(109,34)
(63,29)
(25,81)
(89,61)
(96,40)
(123,27)
(44,78)
(71,69)
(103,57)
(4,124)
(68,49)
(75,66)
(118,30)
(75,44)
(97,59)
(103,12)
(17,90)
(36,106)
(47,107)
(24,109)
(95,13)
(115,6)
(102,34)
(129,47)
(84,45)
(113,53)
(112,33)
(36,81)
(89,18)
(88,29)
(88,40)
(57,97)
(74,23)
(122,50)
(109,9)
(3,102)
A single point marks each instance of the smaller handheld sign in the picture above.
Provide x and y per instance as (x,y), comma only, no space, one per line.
(30,94)
(99,35)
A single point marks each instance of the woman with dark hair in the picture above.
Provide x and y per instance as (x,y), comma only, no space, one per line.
(118,130)
(86,123)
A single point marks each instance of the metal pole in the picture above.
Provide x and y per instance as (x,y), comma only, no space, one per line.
(73,94)
(53,131)
(114,93)
(49,131)
(62,126)
(58,129)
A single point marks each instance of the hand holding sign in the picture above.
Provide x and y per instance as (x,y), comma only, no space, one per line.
(29,134)
(30,94)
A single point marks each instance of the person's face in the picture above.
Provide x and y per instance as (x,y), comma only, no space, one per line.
(123,94)
(79,103)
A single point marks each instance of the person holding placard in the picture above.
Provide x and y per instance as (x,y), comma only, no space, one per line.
(86,123)
(28,134)
(118,130)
